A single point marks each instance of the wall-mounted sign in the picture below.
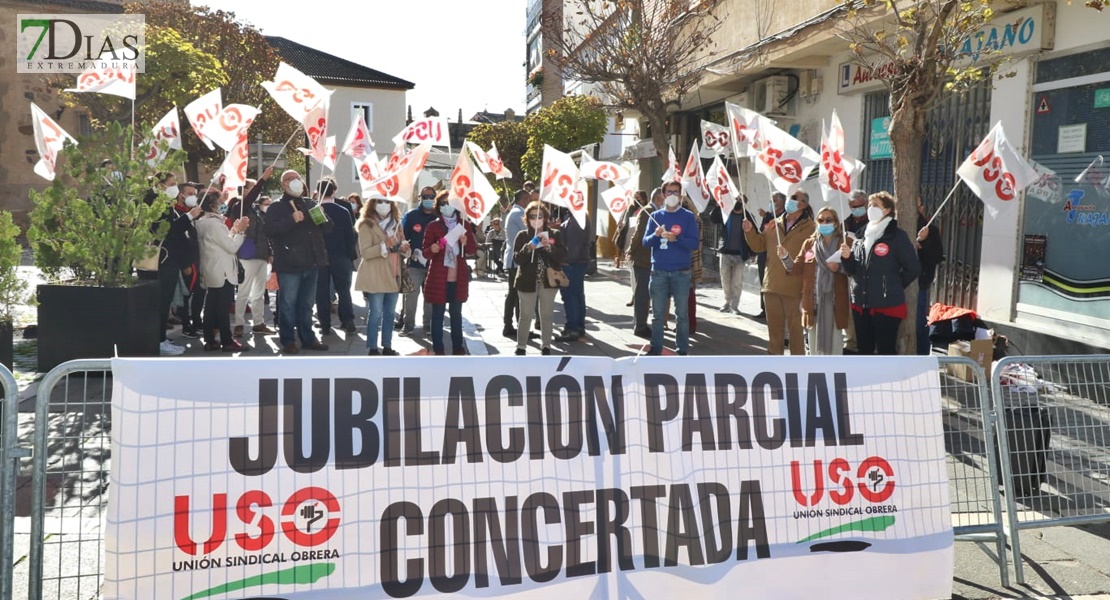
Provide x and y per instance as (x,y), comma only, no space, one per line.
(1102,98)
(1012,34)
(880,139)
(1072,138)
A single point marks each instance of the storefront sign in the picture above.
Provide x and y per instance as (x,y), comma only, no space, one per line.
(502,477)
(1012,34)
(1102,98)
(880,139)
(1072,138)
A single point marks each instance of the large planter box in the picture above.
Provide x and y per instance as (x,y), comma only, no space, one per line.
(95,322)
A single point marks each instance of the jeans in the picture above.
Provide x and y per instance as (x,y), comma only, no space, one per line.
(512,300)
(876,334)
(641,297)
(255,272)
(380,309)
(574,296)
(665,286)
(295,307)
(217,305)
(457,346)
(338,272)
(418,274)
(732,278)
(924,348)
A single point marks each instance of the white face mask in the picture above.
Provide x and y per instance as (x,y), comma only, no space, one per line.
(536,223)
(672,201)
(382,208)
(296,187)
(875,214)
(191,201)
(171,191)
(264,207)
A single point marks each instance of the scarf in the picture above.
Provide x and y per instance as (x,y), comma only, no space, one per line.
(451,252)
(822,250)
(872,233)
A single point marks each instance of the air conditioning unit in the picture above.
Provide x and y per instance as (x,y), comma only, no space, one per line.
(740,99)
(770,96)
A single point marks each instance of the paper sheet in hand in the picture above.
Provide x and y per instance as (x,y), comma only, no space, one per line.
(834,259)
(453,236)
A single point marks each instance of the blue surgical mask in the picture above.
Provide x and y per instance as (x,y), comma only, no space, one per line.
(428,204)
(826,228)
(223,209)
(447,210)
(791,206)
(859,211)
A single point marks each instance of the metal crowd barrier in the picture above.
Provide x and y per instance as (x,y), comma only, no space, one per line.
(9,465)
(1061,477)
(1054,427)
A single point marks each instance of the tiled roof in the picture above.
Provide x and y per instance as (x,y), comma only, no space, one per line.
(327,68)
(91,6)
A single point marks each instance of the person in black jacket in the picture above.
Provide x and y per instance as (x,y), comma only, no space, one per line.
(297,243)
(733,252)
(881,265)
(930,253)
(163,188)
(342,246)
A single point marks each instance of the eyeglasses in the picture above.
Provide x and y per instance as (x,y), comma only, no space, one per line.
(427,197)
(672,193)
(826,220)
(535,216)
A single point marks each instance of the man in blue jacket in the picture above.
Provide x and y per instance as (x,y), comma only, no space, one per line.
(672,241)
(342,246)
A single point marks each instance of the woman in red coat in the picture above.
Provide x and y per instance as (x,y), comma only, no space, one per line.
(447,284)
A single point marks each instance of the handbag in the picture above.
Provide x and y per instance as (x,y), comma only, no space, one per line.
(404,281)
(149,261)
(556,278)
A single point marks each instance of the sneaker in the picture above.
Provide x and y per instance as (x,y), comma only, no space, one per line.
(262,328)
(520,351)
(725,309)
(317,346)
(168,348)
(190,333)
(349,327)
(373,352)
(233,347)
(390,352)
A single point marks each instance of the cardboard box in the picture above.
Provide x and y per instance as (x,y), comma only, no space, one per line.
(980,351)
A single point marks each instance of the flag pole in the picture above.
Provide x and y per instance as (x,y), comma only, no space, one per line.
(282,151)
(946,199)
(132,129)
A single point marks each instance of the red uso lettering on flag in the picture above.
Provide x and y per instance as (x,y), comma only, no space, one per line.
(475,206)
(577,198)
(315,131)
(231,119)
(882,249)
(300,95)
(834,166)
(558,179)
(1003,180)
(715,140)
(719,193)
(619,205)
(243,154)
(494,164)
(606,173)
(364,171)
(460,184)
(389,187)
(423,131)
(89,79)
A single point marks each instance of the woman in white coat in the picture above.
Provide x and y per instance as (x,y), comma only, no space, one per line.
(219,271)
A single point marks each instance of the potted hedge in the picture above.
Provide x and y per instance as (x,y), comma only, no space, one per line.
(87,229)
(12,288)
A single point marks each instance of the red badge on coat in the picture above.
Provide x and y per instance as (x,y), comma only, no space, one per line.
(417,228)
(882,249)
(676,229)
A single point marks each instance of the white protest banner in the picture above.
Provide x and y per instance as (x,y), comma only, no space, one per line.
(430,129)
(202,111)
(368,170)
(50,138)
(470,192)
(618,199)
(745,125)
(720,186)
(168,130)
(396,180)
(529,478)
(835,173)
(296,93)
(231,124)
(234,167)
(490,162)
(315,125)
(358,144)
(1047,185)
(602,170)
(995,171)
(112,77)
(693,180)
(559,177)
(674,171)
(715,140)
(784,160)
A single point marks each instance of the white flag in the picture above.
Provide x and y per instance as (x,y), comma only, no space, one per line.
(560,183)
(202,111)
(1095,176)
(673,172)
(430,129)
(835,175)
(234,167)
(166,130)
(469,191)
(399,180)
(618,199)
(368,170)
(315,125)
(296,93)
(1047,185)
(744,126)
(602,170)
(49,141)
(693,180)
(331,153)
(108,77)
(489,162)
(721,187)
(231,124)
(358,144)
(995,171)
(715,140)
(783,159)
